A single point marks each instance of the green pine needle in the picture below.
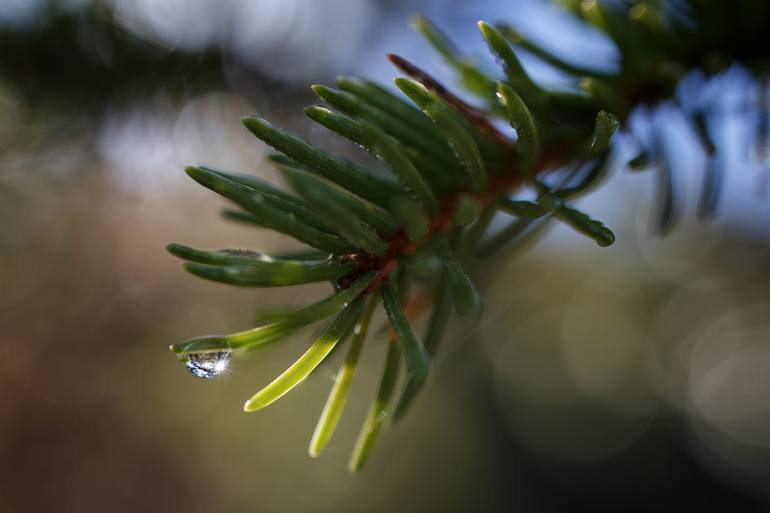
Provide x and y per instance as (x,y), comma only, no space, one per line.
(520,118)
(466,298)
(301,369)
(417,360)
(338,395)
(463,145)
(290,322)
(378,412)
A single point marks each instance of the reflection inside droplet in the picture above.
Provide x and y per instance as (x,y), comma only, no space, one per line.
(207,365)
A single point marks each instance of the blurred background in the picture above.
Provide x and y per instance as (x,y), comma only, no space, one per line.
(631,378)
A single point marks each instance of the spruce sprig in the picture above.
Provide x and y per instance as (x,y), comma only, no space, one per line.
(452,170)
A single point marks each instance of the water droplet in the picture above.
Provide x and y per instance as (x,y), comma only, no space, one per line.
(207,365)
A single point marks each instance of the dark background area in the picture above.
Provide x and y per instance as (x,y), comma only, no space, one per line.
(632,378)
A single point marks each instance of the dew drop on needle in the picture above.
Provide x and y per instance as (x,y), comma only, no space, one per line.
(207,365)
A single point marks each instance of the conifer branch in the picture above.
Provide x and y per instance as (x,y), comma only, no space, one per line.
(452,171)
